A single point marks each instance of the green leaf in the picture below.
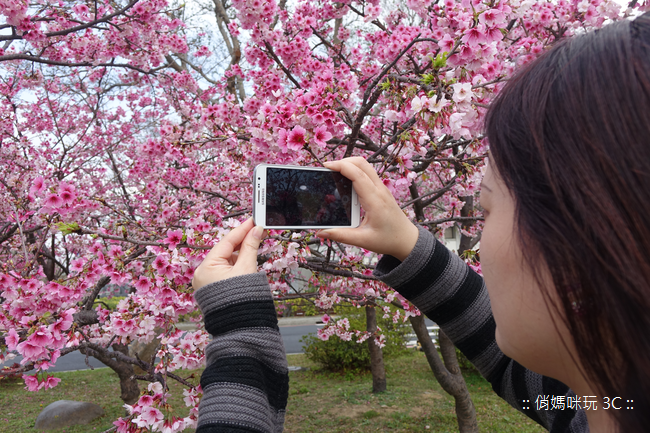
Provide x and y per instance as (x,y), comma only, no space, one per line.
(428,78)
(469,254)
(67,228)
(440,61)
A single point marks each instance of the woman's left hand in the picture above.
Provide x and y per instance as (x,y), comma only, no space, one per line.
(234,255)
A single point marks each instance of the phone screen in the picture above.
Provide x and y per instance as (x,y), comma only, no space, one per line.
(307,198)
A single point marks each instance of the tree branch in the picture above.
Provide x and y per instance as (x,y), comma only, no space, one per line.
(67,31)
(444,220)
(334,271)
(36,59)
(436,195)
(370,97)
(279,62)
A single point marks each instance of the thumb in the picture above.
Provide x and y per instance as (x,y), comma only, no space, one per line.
(248,251)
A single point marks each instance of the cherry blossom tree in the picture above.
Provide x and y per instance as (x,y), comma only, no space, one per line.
(127,152)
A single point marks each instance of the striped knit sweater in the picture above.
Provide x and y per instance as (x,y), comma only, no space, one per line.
(451,294)
(246,382)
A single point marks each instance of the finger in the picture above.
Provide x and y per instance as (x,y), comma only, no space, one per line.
(247,257)
(225,247)
(367,168)
(362,184)
(356,236)
(361,164)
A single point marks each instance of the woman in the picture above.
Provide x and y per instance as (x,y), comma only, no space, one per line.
(563,252)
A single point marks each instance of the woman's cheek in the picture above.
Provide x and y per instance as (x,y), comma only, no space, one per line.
(498,272)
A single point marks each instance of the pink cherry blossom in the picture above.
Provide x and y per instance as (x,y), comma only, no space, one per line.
(50,382)
(54,200)
(31,351)
(38,184)
(145,400)
(12,339)
(143,284)
(148,417)
(321,135)
(475,36)
(31,382)
(492,17)
(174,237)
(122,425)
(296,138)
(462,92)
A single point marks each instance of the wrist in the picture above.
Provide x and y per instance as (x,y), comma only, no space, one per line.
(407,242)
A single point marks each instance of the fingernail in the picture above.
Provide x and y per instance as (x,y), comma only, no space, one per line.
(258,232)
(322,234)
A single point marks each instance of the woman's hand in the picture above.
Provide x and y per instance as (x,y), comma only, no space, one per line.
(234,255)
(385,228)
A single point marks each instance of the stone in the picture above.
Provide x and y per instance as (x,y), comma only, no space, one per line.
(64,413)
(296,368)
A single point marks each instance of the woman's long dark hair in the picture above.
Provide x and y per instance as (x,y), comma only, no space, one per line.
(570,138)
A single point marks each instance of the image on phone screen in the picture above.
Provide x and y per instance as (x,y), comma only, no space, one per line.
(307,198)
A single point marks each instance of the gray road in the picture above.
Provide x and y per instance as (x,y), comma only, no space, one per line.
(291,336)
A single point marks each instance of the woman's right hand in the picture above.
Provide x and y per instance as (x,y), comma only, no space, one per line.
(385,228)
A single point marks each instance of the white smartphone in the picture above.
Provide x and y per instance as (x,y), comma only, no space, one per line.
(295,197)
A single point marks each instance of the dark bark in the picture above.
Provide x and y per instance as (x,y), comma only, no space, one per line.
(465,410)
(88,301)
(130,391)
(376,356)
(86,317)
(466,241)
(7,231)
(417,204)
(234,85)
(447,374)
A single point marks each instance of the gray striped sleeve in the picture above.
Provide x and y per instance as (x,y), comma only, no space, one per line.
(245,382)
(261,343)
(238,405)
(244,288)
(445,286)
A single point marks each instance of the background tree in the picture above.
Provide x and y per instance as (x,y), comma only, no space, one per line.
(128,134)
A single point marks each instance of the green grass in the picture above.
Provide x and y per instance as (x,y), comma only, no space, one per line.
(413,402)
(318,401)
(20,407)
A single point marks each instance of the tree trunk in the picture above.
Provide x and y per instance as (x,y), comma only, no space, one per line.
(376,356)
(465,410)
(128,384)
(447,374)
(465,241)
